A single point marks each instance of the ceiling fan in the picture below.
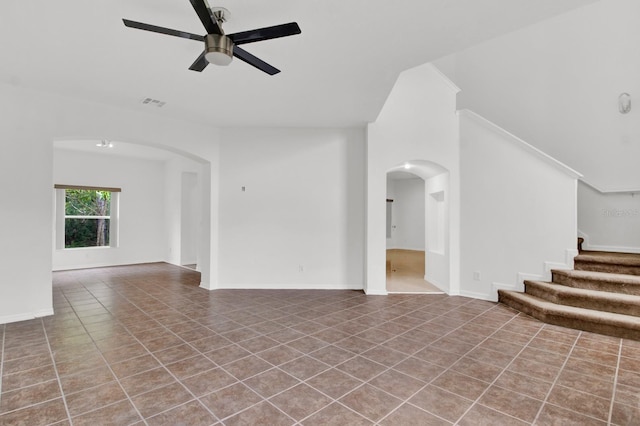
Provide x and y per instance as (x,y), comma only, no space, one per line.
(220,48)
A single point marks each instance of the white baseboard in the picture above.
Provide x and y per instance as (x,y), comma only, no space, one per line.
(481,296)
(495,286)
(441,287)
(524,276)
(617,249)
(569,255)
(106,265)
(291,286)
(376,292)
(595,247)
(206,286)
(26,316)
(518,286)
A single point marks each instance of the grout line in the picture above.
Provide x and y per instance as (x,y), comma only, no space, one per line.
(525,346)
(117,380)
(55,369)
(162,365)
(553,385)
(330,366)
(218,365)
(245,339)
(615,382)
(268,302)
(407,400)
(4,333)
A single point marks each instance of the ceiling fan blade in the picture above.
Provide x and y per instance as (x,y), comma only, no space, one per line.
(161,30)
(266,33)
(202,9)
(247,57)
(200,63)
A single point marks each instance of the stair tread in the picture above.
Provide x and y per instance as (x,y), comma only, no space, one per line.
(627,259)
(599,276)
(572,311)
(599,294)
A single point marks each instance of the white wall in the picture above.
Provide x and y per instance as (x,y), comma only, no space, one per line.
(408,214)
(298,224)
(190,218)
(518,209)
(26,208)
(417,123)
(391,190)
(31,122)
(609,222)
(556,84)
(142,234)
(183,210)
(316,178)
(437,241)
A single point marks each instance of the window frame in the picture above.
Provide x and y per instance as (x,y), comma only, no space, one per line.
(60,216)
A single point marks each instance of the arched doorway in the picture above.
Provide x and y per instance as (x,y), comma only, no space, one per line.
(164,198)
(417,255)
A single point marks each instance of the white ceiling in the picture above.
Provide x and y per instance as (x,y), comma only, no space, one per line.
(117,148)
(337,73)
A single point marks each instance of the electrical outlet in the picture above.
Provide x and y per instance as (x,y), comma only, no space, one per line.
(476,275)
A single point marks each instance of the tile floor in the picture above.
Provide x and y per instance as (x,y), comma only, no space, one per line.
(145,345)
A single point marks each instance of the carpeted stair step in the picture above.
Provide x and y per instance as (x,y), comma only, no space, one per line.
(602,281)
(612,324)
(615,263)
(625,304)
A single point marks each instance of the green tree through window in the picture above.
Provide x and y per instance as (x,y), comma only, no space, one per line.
(87,218)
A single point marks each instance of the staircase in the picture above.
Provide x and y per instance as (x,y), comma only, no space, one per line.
(601,295)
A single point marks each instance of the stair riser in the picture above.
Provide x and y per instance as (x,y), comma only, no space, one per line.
(590,284)
(575,323)
(597,304)
(606,267)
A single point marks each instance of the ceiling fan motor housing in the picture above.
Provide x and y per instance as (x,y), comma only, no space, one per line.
(219,49)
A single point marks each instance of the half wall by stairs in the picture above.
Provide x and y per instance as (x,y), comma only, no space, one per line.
(601,295)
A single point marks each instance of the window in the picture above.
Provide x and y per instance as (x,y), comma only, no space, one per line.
(87,216)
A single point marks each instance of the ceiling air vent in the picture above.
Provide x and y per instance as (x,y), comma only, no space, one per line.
(153,102)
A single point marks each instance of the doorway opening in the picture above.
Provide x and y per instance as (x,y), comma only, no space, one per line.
(417,259)
(157,215)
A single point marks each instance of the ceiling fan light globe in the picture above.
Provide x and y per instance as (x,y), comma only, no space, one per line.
(218,58)
(219,49)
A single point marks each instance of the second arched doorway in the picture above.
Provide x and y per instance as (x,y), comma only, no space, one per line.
(417,259)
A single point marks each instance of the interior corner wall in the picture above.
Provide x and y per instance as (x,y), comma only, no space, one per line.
(189,218)
(437,270)
(291,208)
(417,122)
(518,211)
(408,217)
(609,222)
(26,207)
(173,210)
(32,120)
(556,84)
(181,219)
(391,191)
